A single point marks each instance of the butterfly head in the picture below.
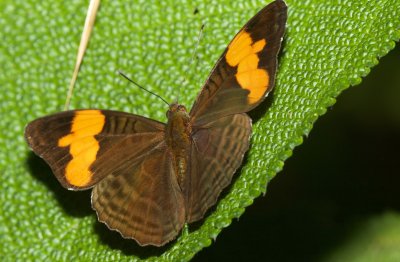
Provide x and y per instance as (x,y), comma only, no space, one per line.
(176,109)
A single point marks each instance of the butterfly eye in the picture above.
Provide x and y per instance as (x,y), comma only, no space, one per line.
(182,108)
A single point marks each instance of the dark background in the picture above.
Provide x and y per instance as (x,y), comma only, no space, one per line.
(344,173)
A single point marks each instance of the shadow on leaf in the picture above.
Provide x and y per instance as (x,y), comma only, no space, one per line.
(75,203)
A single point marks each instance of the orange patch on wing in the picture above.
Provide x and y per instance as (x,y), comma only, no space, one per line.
(256,81)
(83,145)
(242,52)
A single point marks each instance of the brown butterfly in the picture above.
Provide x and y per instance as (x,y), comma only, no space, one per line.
(149,178)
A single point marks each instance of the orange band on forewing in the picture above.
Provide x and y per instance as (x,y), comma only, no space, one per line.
(239,48)
(83,146)
(242,52)
(256,81)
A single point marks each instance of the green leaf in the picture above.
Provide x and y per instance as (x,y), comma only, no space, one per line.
(376,239)
(329,46)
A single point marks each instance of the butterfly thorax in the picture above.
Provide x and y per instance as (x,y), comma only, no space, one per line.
(177,137)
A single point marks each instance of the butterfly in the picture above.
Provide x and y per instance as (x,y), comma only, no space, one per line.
(149,178)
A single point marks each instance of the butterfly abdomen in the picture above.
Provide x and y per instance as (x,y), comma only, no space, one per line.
(177,137)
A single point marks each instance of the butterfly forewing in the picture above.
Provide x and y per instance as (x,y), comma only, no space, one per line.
(72,143)
(245,73)
(142,201)
(217,152)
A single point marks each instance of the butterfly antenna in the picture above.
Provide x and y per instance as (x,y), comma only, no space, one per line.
(136,84)
(192,58)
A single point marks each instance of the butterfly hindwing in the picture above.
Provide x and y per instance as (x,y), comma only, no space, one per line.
(216,153)
(84,146)
(143,200)
(245,72)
